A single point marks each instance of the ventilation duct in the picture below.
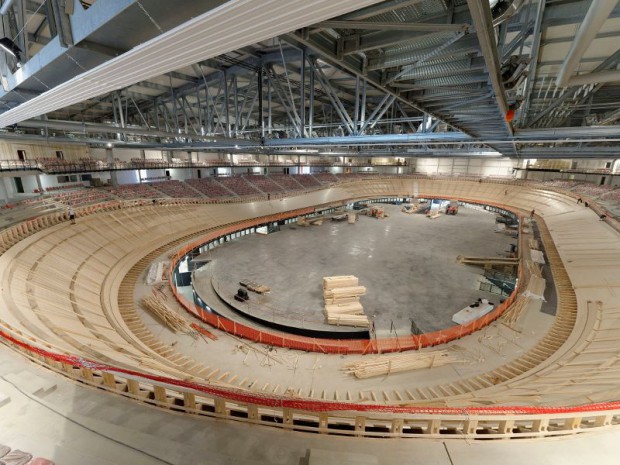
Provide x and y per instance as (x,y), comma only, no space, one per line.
(504,9)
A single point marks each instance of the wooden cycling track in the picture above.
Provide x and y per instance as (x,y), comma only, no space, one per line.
(69,290)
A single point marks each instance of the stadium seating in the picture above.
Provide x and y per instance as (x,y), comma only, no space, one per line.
(238,185)
(210,187)
(264,183)
(287,181)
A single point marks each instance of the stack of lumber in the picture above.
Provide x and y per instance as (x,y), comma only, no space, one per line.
(339,217)
(342,305)
(382,366)
(534,268)
(333,282)
(155,274)
(536,288)
(254,286)
(537,256)
(173,320)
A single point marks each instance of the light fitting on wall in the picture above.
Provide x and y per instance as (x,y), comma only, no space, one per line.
(11,48)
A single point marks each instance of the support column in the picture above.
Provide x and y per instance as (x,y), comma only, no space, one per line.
(4,193)
(39,185)
(109,154)
(261,120)
(302,103)
(191,165)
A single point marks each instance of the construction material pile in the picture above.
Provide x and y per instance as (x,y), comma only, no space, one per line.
(382,366)
(158,307)
(255,287)
(342,301)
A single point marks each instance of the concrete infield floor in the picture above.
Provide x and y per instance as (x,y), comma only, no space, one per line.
(406,262)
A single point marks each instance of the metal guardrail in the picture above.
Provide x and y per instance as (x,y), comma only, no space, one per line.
(88,166)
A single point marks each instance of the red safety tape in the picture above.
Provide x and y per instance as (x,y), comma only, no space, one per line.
(244,397)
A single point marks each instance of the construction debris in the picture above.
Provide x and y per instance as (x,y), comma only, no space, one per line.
(473,312)
(382,366)
(255,287)
(172,319)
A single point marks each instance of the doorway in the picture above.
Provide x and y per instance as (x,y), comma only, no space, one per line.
(19,185)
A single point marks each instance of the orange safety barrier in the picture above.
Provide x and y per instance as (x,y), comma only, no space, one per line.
(337,346)
(271,400)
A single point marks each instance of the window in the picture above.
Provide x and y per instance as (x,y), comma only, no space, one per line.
(60,155)
(86,177)
(608,165)
(21,154)
(62,179)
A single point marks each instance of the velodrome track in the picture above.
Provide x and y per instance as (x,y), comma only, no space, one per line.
(65,294)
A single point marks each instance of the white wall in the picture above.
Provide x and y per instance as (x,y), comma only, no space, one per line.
(126,154)
(181,174)
(7,188)
(133,176)
(8,150)
(466,166)
(51,180)
(592,164)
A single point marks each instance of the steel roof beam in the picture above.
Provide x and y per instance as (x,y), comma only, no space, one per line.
(324,50)
(227,27)
(481,16)
(82,24)
(561,13)
(610,61)
(384,7)
(534,51)
(363,43)
(363,140)
(465,45)
(595,18)
(412,27)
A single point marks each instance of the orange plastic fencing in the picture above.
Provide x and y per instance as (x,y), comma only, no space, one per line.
(309,405)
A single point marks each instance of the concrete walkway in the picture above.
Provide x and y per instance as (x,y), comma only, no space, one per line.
(54,418)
